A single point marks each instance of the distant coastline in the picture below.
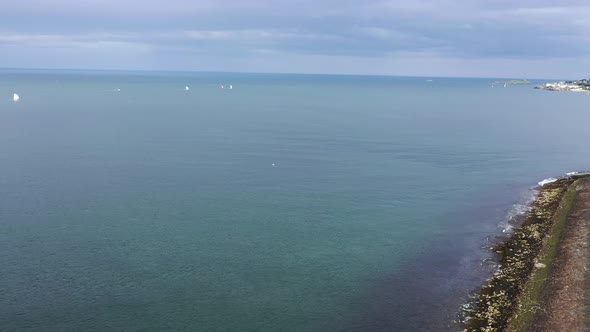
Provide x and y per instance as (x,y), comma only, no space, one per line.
(512,82)
(575,86)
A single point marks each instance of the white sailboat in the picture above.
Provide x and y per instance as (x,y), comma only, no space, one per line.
(15,97)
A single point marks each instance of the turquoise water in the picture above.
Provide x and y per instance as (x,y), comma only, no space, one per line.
(158,208)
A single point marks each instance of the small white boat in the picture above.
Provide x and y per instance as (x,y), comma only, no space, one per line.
(231,86)
(186,88)
(15,97)
(221,86)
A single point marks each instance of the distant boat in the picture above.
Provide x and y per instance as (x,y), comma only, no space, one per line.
(186,88)
(15,97)
(504,84)
(221,86)
(231,86)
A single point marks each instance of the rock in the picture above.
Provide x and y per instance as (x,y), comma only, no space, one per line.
(540,265)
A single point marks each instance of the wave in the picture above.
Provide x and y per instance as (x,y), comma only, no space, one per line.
(523,206)
(519,210)
(577,173)
(546,181)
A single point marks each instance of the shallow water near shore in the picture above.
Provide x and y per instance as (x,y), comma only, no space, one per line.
(295,202)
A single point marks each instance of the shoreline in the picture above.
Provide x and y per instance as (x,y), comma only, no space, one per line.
(513,297)
(564,300)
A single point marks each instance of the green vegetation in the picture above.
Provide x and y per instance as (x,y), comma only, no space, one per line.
(531,295)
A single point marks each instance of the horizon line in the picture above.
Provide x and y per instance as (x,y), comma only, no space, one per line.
(259,73)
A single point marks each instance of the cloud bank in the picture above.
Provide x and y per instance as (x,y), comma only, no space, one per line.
(428,38)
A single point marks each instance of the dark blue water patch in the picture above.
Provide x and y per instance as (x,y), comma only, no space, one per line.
(426,295)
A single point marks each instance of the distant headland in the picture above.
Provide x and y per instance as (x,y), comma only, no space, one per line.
(577,86)
(512,82)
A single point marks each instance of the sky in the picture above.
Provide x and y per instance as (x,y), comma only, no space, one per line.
(453,38)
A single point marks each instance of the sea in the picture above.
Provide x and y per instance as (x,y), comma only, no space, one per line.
(286,203)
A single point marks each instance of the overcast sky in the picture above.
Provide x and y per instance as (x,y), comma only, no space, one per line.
(472,38)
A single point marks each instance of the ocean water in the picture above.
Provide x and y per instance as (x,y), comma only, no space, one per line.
(291,202)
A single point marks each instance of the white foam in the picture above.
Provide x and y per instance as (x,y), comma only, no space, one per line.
(518,210)
(546,181)
(577,173)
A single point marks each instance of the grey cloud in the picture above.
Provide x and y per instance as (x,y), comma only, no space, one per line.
(458,29)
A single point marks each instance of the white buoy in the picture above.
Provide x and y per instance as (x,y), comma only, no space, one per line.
(15,97)
(186,88)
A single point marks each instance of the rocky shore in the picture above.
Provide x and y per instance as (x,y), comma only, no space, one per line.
(565,300)
(513,297)
(576,86)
